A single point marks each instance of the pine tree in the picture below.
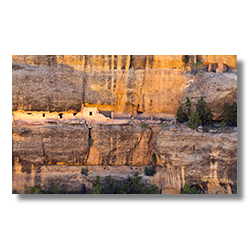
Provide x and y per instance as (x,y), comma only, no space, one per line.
(181,117)
(201,108)
(210,117)
(194,120)
(188,107)
(230,116)
(110,186)
(97,185)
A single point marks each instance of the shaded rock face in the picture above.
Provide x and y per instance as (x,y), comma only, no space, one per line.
(218,91)
(208,161)
(46,88)
(69,144)
(120,145)
(48,144)
(71,179)
(46,154)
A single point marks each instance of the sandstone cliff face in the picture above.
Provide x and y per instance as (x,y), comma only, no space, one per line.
(147,86)
(126,84)
(46,88)
(69,144)
(119,145)
(206,160)
(49,143)
(71,180)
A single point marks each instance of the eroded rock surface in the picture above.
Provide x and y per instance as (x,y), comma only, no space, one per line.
(208,161)
(120,145)
(46,154)
(218,91)
(151,85)
(49,143)
(129,85)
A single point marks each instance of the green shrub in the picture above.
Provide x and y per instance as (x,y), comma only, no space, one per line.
(202,116)
(194,120)
(188,107)
(150,171)
(153,189)
(230,115)
(197,64)
(33,190)
(182,114)
(91,141)
(201,108)
(134,186)
(181,117)
(85,171)
(164,124)
(143,125)
(223,124)
(188,190)
(110,187)
(56,189)
(97,185)
(186,60)
(209,117)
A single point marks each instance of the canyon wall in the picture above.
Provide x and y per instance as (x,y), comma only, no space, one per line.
(151,86)
(57,153)
(55,150)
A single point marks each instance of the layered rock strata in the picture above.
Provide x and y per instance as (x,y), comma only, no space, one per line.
(46,154)
(55,143)
(206,160)
(150,86)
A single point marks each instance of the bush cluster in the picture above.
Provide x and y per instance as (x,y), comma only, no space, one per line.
(230,116)
(187,189)
(85,171)
(201,116)
(33,190)
(164,124)
(143,125)
(134,186)
(150,171)
(55,190)
(91,141)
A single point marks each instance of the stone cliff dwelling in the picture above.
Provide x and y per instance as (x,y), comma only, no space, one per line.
(86,113)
